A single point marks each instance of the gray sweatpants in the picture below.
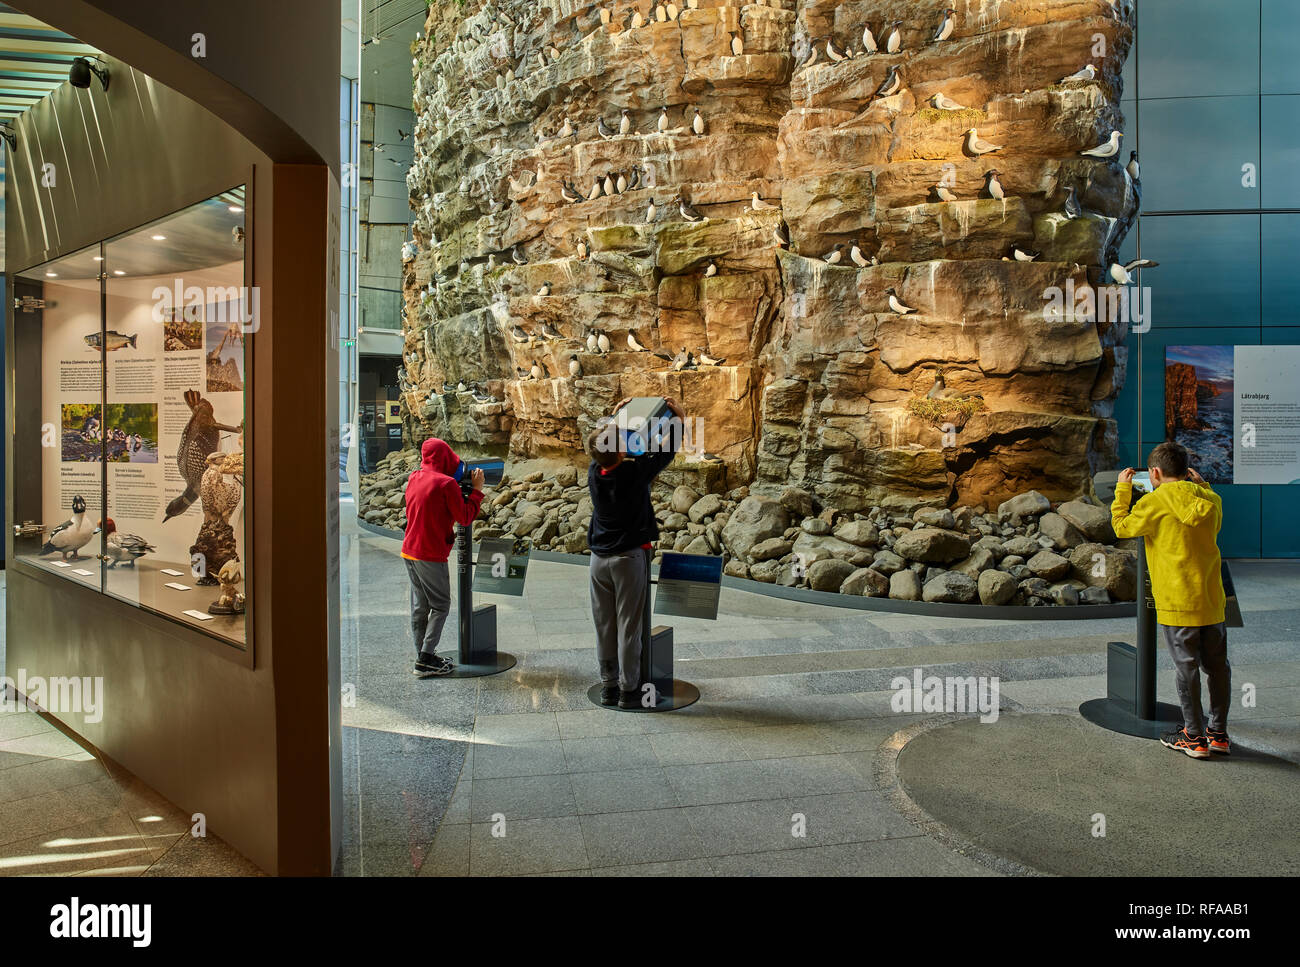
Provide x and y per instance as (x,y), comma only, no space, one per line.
(618,587)
(1194,649)
(430,602)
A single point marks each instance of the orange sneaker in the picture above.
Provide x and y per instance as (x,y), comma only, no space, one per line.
(1192,745)
(1217,741)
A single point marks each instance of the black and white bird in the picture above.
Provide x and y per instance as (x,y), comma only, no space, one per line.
(620,183)
(757,204)
(689,211)
(895,305)
(1107,149)
(942,102)
(737,45)
(521,373)
(581,247)
(602,341)
(891,85)
(810,59)
(625,123)
(603,129)
(855,253)
(991,184)
(122,548)
(868,40)
(1086,73)
(517,256)
(609,186)
(536,371)
(944,30)
(550,332)
(650,212)
(683,360)
(977,145)
(781,235)
(520,334)
(575,367)
(570,194)
(833,52)
(697,123)
(834,255)
(1133,168)
(593,344)
(73,534)
(635,182)
(597,189)
(894,39)
(1020,255)
(481,395)
(1072,207)
(943,192)
(711,270)
(633,345)
(1122,273)
(663,119)
(708,360)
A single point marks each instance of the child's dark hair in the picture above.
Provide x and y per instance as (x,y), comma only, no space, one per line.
(602,444)
(1170,459)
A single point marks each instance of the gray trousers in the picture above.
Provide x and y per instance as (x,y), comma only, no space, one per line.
(618,588)
(430,602)
(1194,649)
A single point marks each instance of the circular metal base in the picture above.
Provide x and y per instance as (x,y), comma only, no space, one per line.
(684,694)
(504,661)
(1119,718)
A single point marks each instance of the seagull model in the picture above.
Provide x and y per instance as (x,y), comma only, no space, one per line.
(1121,273)
(942,102)
(1107,149)
(943,193)
(977,145)
(757,204)
(1086,73)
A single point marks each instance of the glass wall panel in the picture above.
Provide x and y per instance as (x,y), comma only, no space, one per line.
(1280,148)
(1194,150)
(1190,48)
(1279,66)
(1279,244)
(1209,269)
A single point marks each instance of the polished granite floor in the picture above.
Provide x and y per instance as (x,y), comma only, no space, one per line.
(793,762)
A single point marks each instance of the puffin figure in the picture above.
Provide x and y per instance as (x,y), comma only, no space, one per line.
(73,534)
(201,436)
(123,548)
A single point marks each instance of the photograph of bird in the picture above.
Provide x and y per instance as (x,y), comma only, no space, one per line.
(944,30)
(1086,73)
(1133,166)
(1072,207)
(536,371)
(517,256)
(855,253)
(521,373)
(891,85)
(632,344)
(938,388)
(697,123)
(834,255)
(519,334)
(977,145)
(663,119)
(635,182)
(73,534)
(737,45)
(597,189)
(650,213)
(942,102)
(602,341)
(689,211)
(757,204)
(1020,255)
(575,367)
(993,187)
(550,332)
(894,39)
(943,192)
(620,183)
(603,129)
(1107,149)
(711,269)
(625,122)
(895,305)
(570,194)
(609,185)
(581,248)
(868,40)
(833,52)
(592,345)
(708,360)
(781,235)
(811,59)
(1121,273)
(683,360)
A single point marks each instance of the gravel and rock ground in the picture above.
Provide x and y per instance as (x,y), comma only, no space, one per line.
(1025,551)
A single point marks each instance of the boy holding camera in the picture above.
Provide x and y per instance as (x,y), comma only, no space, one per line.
(621,539)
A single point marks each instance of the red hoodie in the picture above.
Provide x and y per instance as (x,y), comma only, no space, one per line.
(434,503)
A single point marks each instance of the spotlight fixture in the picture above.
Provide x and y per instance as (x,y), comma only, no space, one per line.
(81,69)
(158,238)
(11,139)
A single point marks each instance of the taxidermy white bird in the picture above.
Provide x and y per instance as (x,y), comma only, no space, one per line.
(73,534)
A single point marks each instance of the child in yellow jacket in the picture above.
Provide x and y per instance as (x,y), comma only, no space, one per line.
(1180,521)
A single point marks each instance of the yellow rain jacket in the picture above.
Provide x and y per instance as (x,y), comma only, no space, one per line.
(1180,521)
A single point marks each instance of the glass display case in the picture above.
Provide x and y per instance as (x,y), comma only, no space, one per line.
(131,370)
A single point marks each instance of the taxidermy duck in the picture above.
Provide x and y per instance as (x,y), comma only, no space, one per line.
(201,436)
(73,534)
(122,548)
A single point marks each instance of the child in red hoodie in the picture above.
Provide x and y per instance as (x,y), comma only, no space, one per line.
(434,503)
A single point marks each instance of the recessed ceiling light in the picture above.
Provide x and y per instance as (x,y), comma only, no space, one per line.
(158,238)
(51,275)
(118,272)
(98,258)
(236,209)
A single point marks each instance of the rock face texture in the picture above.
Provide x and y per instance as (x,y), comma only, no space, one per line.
(520,104)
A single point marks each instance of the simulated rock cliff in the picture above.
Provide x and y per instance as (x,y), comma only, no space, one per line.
(820,383)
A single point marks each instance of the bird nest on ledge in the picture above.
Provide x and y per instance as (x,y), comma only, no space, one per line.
(951,411)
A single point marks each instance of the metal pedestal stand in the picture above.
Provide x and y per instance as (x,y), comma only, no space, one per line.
(1130,705)
(477,653)
(656,666)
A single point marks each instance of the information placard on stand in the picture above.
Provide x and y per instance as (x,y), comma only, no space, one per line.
(689,585)
(502,566)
